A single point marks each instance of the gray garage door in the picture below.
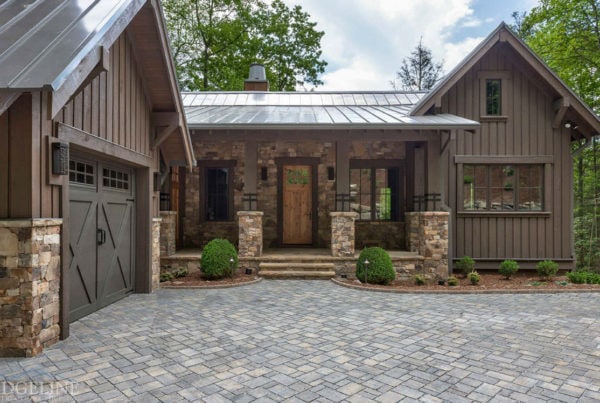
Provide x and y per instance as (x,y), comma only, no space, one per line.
(101,227)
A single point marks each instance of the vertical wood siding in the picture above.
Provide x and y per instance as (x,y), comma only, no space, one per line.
(114,106)
(526,131)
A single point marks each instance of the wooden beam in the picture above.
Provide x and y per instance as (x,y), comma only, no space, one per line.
(560,106)
(7,98)
(500,159)
(98,145)
(164,123)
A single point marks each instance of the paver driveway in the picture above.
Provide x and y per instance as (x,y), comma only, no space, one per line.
(315,341)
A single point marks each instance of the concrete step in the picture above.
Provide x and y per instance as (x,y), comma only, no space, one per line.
(296,270)
(296,274)
(296,266)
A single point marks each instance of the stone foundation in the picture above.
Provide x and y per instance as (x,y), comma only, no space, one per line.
(29,285)
(250,233)
(428,236)
(342,233)
(168,226)
(156,249)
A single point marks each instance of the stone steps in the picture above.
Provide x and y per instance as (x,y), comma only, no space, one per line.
(296,270)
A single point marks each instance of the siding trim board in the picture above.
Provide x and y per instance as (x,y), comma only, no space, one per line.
(503,159)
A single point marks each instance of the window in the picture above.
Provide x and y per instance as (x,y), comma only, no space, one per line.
(374,191)
(493,97)
(115,179)
(217,194)
(503,187)
(81,172)
(494,94)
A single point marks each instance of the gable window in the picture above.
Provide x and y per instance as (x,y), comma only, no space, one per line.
(494,94)
(503,187)
(374,190)
(493,97)
(217,184)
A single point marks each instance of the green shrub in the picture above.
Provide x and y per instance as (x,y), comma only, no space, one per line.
(215,261)
(420,279)
(465,265)
(452,281)
(508,268)
(547,268)
(583,277)
(380,269)
(166,277)
(474,277)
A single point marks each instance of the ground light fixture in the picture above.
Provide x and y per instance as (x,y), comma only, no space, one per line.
(366,263)
(231,261)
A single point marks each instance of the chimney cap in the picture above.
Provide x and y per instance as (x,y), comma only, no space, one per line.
(257,73)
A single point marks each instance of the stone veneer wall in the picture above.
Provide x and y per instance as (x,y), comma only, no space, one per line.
(168,226)
(428,236)
(156,224)
(250,233)
(29,285)
(342,233)
(196,232)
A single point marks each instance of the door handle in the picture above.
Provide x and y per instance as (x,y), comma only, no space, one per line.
(101,236)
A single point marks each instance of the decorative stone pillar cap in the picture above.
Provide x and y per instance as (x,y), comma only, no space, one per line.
(167,212)
(255,213)
(29,222)
(350,214)
(157,219)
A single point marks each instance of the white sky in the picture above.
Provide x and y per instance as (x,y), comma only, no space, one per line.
(366,40)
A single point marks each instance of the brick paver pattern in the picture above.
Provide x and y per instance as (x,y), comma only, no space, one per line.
(310,341)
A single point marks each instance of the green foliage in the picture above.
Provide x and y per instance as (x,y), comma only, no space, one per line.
(215,261)
(420,279)
(215,41)
(508,268)
(180,272)
(547,268)
(380,269)
(166,277)
(418,71)
(583,277)
(465,265)
(452,281)
(474,277)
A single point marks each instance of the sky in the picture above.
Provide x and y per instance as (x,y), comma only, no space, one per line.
(366,40)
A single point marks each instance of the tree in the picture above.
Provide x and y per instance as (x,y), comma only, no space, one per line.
(215,41)
(418,71)
(566,35)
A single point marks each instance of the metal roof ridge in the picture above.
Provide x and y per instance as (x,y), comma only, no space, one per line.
(304,92)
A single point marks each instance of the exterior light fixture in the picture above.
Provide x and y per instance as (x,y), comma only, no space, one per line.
(366,263)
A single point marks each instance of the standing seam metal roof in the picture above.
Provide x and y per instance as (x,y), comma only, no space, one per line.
(311,109)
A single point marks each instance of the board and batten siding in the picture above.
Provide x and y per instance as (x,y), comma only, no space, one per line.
(113,106)
(525,132)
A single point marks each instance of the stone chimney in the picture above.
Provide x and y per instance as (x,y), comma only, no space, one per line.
(257,79)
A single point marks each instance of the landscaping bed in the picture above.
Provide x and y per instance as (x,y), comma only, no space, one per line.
(194,279)
(490,280)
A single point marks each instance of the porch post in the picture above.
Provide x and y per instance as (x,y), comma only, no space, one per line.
(342,233)
(250,234)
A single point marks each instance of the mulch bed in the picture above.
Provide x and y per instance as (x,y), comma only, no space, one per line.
(490,281)
(194,280)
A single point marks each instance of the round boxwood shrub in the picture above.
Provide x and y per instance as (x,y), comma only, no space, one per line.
(215,261)
(474,277)
(380,269)
(508,268)
(547,268)
(465,265)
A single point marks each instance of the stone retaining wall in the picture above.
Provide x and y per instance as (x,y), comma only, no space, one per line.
(29,285)
(156,249)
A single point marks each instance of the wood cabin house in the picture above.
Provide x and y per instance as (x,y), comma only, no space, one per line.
(481,165)
(89,113)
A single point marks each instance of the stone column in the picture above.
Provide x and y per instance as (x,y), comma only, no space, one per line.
(156,249)
(250,242)
(29,285)
(342,233)
(428,234)
(168,226)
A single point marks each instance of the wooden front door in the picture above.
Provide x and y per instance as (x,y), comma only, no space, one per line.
(297,204)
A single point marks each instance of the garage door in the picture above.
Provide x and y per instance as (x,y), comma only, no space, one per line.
(101,227)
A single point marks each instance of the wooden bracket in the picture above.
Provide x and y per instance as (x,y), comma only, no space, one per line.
(560,106)
(165,123)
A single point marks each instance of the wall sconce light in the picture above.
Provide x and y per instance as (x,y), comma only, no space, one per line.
(60,158)
(570,125)
(330,173)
